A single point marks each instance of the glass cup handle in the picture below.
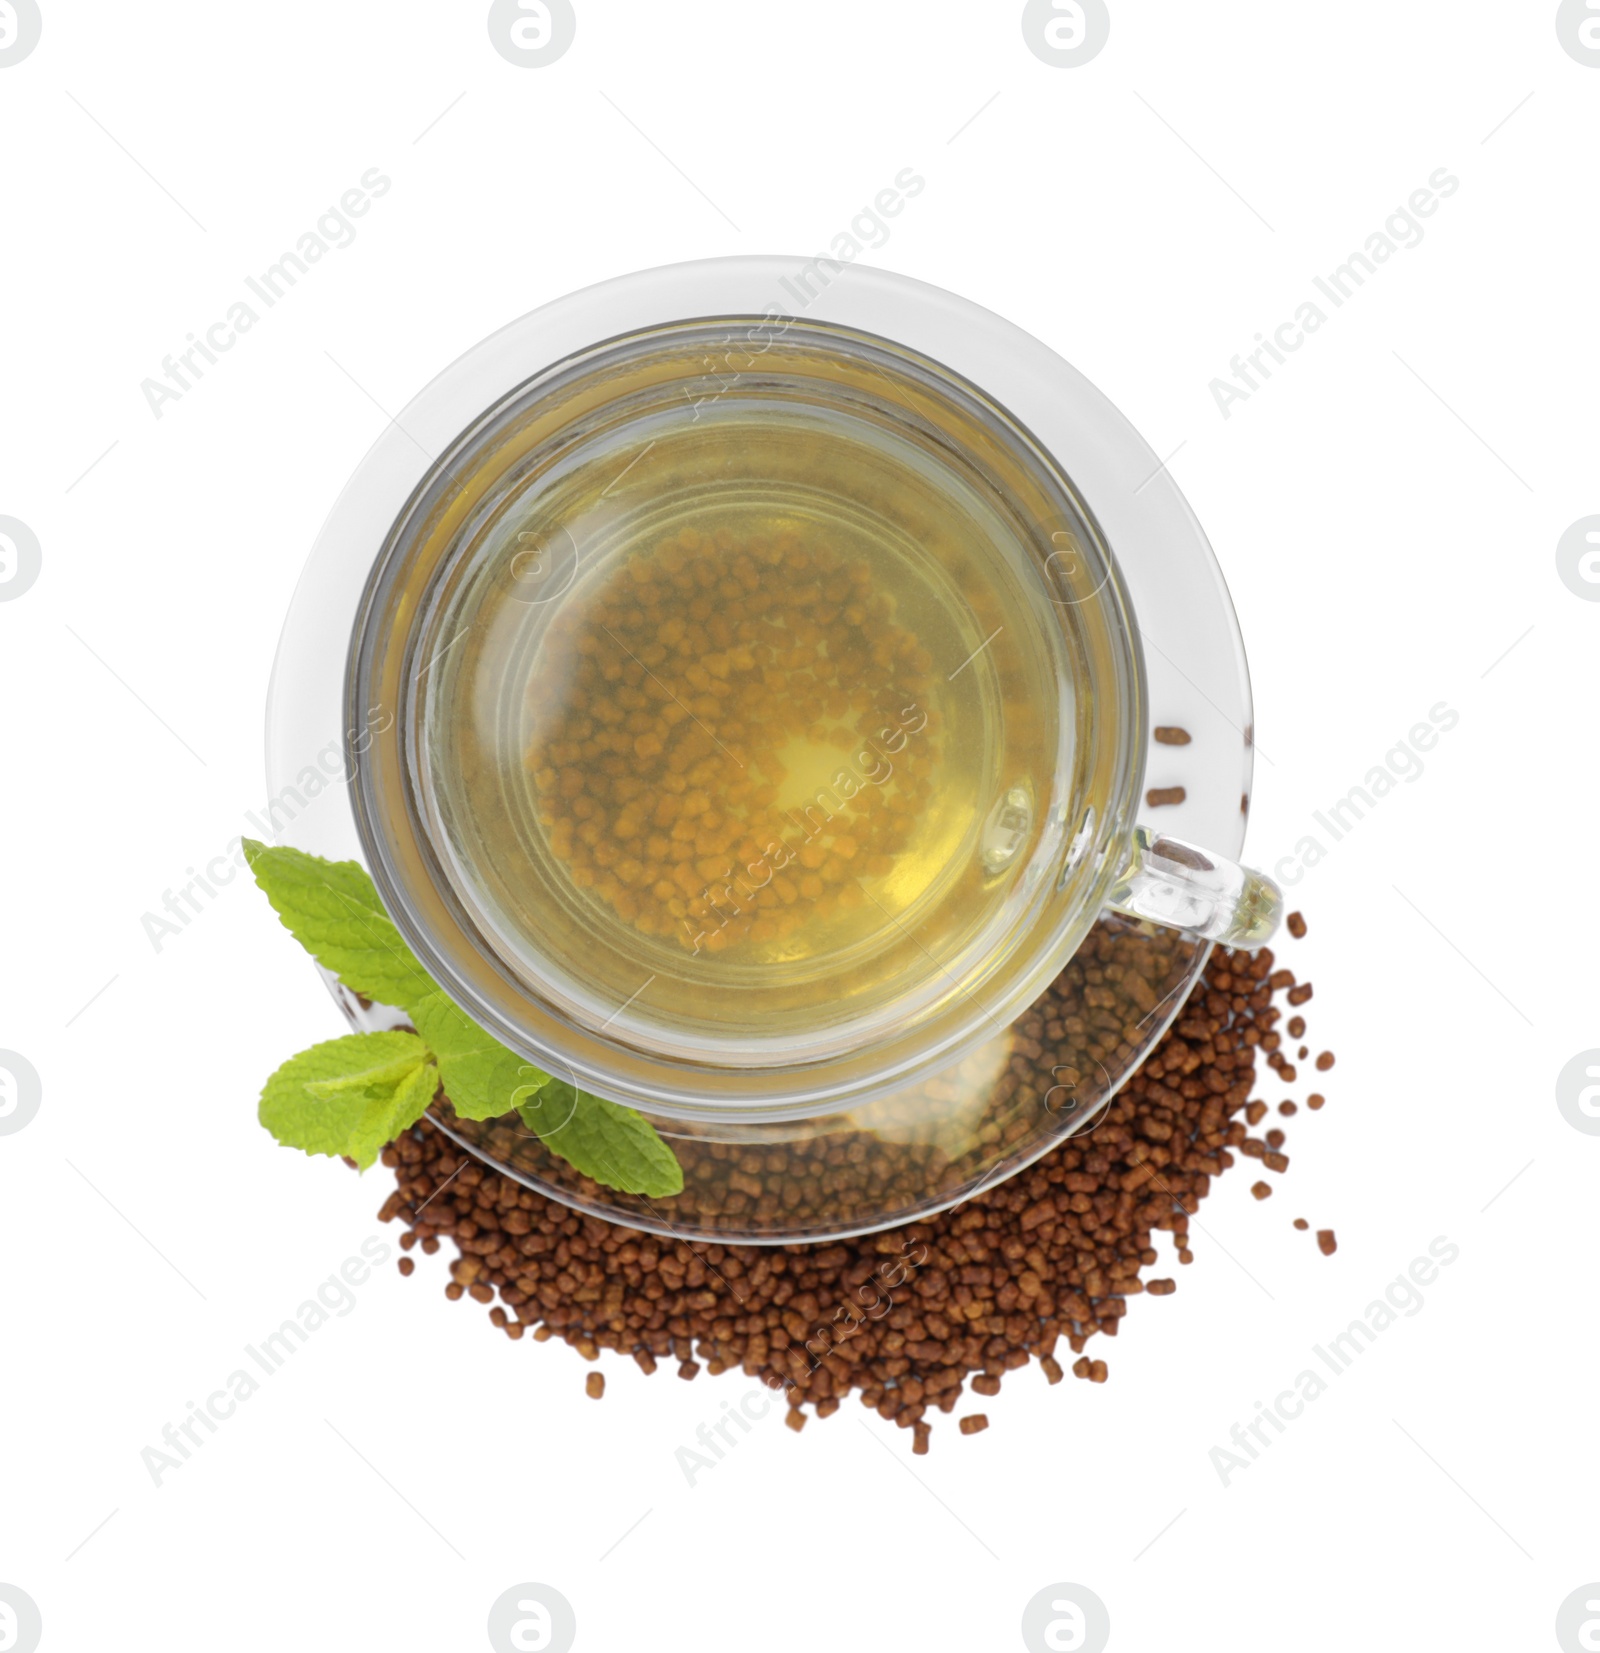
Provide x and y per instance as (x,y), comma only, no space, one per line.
(1174,883)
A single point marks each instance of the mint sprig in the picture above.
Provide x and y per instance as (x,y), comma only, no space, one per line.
(340,1097)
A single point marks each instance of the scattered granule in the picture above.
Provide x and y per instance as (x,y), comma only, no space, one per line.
(407,1264)
(594,1386)
(1301,1224)
(1315,1100)
(1041,1263)
(794,1419)
(1301,994)
(1288,1109)
(1157,796)
(1296,1027)
(1261,1190)
(1168,734)
(1325,1061)
(1326,1243)
(1295,923)
(919,1437)
(974,1423)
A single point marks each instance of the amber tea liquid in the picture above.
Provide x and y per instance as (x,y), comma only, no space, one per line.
(756,711)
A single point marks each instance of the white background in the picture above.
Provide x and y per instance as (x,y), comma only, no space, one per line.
(1386,509)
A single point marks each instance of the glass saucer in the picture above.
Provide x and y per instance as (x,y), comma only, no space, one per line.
(1050,1074)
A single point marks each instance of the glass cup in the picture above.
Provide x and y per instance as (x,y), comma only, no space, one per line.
(832,593)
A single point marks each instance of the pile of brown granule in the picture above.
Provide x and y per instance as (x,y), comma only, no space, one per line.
(907,1317)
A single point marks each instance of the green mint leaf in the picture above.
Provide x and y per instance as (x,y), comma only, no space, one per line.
(332,909)
(339,1097)
(482,1078)
(345,1118)
(406,1105)
(603,1140)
